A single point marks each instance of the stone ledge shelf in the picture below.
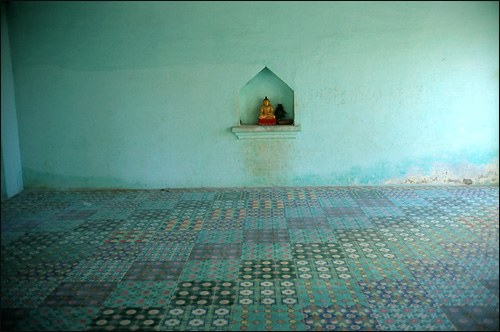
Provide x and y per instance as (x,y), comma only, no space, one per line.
(266,132)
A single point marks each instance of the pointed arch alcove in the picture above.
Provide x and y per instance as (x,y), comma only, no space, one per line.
(265,84)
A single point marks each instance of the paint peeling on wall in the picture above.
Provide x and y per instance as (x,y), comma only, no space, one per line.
(447,173)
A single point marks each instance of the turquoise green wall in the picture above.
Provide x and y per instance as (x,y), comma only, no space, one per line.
(4,183)
(144,94)
(12,181)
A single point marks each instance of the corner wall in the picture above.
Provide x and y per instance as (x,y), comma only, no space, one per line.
(12,182)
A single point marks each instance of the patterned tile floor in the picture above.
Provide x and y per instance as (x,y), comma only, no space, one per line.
(258,259)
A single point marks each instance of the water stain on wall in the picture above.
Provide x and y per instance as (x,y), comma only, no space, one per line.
(269,162)
(443,173)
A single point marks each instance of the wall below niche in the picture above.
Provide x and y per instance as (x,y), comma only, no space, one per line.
(264,84)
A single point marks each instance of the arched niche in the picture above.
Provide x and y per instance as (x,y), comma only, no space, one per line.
(264,84)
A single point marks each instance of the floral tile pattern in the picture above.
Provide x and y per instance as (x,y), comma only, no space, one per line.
(252,259)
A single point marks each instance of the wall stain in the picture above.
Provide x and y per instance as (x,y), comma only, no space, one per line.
(469,174)
(269,162)
(339,96)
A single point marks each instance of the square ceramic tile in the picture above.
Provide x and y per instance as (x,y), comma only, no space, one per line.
(335,317)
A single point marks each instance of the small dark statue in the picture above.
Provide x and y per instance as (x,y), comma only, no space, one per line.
(279,112)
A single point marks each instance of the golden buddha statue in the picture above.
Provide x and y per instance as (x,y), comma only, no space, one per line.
(266,110)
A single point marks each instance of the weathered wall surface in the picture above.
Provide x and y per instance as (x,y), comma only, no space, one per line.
(12,180)
(144,94)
